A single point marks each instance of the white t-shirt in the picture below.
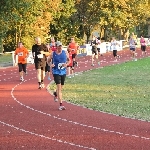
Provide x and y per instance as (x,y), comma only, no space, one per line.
(132,43)
(114,45)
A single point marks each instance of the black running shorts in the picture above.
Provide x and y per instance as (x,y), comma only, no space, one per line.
(40,65)
(59,79)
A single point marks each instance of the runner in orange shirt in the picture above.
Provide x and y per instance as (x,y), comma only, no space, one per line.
(74,47)
(22,53)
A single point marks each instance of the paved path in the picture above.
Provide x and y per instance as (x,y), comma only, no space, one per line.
(30,119)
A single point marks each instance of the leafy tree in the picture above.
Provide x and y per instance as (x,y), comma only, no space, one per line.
(26,18)
(62,26)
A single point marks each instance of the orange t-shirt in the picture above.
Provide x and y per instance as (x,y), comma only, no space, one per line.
(73,47)
(22,54)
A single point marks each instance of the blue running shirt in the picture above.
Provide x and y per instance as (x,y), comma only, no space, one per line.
(58,60)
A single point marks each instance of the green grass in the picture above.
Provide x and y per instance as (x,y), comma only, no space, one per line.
(5,58)
(119,89)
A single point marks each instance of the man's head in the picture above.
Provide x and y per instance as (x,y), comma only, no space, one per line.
(59,46)
(72,40)
(20,45)
(38,40)
(131,37)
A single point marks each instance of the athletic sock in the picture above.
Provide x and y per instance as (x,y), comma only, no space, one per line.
(39,83)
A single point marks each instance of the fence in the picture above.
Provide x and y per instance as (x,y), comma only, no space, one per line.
(83,50)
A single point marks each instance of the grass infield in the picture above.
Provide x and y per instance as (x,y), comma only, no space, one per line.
(5,58)
(119,89)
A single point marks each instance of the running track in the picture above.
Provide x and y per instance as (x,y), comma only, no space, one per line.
(30,119)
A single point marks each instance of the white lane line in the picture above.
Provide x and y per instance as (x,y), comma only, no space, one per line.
(75,123)
(46,137)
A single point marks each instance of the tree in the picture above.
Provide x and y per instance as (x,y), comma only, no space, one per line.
(26,18)
(62,25)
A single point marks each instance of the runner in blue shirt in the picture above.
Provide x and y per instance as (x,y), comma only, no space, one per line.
(59,60)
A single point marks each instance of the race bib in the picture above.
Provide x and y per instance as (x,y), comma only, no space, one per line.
(40,55)
(60,66)
(20,54)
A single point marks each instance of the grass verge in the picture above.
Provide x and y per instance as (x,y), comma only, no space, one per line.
(119,89)
(5,58)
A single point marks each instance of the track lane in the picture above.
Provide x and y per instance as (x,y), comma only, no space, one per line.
(83,126)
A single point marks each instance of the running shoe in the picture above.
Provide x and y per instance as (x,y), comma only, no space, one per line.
(62,108)
(42,85)
(55,99)
(21,79)
(92,65)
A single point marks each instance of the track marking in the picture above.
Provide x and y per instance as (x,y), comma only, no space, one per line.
(73,122)
(46,137)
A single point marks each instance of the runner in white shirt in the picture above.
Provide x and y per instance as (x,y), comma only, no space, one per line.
(132,45)
(114,47)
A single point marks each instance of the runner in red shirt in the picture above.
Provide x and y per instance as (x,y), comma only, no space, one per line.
(53,45)
(74,47)
(70,68)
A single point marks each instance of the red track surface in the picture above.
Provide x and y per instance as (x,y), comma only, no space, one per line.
(30,119)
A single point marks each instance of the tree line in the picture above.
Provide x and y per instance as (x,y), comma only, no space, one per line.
(23,20)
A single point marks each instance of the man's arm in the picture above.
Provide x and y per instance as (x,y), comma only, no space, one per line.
(27,54)
(49,60)
(68,59)
(15,57)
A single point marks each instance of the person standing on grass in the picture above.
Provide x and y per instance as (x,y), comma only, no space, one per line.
(143,45)
(23,54)
(59,60)
(114,47)
(39,52)
(132,45)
